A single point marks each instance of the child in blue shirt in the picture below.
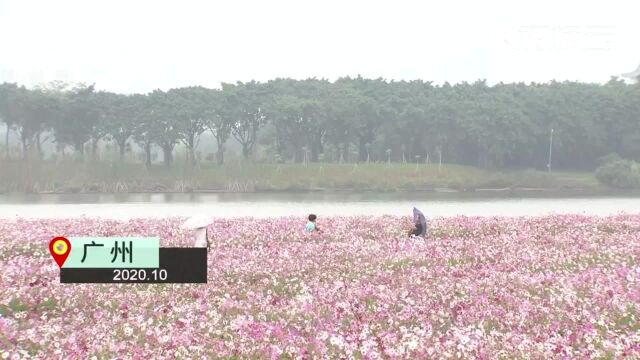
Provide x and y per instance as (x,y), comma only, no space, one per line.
(311,225)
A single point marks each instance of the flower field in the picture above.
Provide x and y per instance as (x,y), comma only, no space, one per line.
(536,287)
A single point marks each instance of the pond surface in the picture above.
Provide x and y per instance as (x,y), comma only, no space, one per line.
(124,206)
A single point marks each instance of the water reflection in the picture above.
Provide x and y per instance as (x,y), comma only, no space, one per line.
(287,197)
(124,206)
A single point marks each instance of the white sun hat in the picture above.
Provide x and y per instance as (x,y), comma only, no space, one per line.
(197,222)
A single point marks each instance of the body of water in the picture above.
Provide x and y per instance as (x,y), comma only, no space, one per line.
(125,206)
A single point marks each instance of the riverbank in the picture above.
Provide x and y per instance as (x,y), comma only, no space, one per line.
(108,177)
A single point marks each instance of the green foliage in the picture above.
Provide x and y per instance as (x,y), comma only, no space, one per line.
(624,174)
(504,126)
(609,158)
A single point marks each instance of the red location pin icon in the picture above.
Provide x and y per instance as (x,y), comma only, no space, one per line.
(60,247)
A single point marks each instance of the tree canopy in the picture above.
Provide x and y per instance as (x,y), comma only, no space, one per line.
(349,120)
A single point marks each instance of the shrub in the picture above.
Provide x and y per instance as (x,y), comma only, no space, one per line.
(495,182)
(624,174)
(609,158)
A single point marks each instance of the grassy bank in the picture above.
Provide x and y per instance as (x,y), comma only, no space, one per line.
(69,177)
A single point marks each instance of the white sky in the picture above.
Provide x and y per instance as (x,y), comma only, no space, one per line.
(139,45)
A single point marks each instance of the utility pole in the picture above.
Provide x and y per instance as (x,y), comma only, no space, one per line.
(550,150)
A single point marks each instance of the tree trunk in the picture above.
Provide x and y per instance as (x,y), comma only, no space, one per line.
(298,154)
(25,146)
(314,151)
(252,142)
(39,147)
(6,141)
(280,146)
(121,149)
(362,149)
(168,154)
(192,155)
(94,149)
(317,146)
(147,151)
(345,152)
(220,152)
(220,156)
(191,141)
(79,147)
(24,149)
(246,150)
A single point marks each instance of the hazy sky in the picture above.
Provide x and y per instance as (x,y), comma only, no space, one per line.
(138,46)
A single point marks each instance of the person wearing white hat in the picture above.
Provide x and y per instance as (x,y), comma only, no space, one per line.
(199,226)
(201,238)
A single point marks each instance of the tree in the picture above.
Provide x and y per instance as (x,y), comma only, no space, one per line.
(368,98)
(294,122)
(143,131)
(499,126)
(246,111)
(162,126)
(217,119)
(343,119)
(78,118)
(7,97)
(121,118)
(101,105)
(189,107)
(31,112)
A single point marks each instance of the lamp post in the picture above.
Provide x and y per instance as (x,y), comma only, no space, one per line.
(368,146)
(305,150)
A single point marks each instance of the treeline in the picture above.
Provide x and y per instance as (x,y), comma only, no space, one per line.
(349,120)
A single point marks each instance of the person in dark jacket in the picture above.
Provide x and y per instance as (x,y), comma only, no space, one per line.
(417,230)
(420,221)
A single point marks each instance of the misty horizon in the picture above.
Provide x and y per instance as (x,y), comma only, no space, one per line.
(66,86)
(138,47)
